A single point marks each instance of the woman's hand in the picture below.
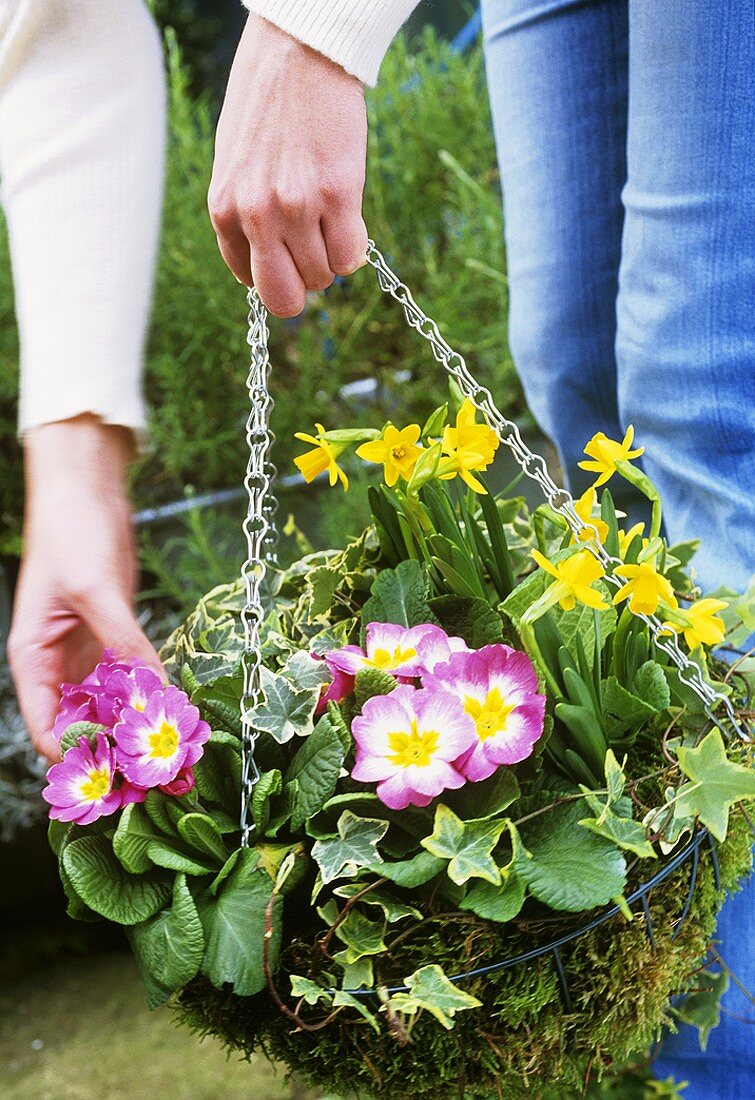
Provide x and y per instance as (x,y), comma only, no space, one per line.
(286,193)
(78,574)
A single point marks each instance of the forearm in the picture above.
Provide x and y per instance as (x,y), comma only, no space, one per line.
(353,33)
(82,120)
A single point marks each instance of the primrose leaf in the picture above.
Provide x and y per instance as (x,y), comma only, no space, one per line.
(581,620)
(172,857)
(286,711)
(486,799)
(399,596)
(102,883)
(525,594)
(132,838)
(466,844)
(201,833)
(354,847)
(470,618)
(411,872)
(370,682)
(716,783)
(268,785)
(566,868)
(315,769)
(76,730)
(233,919)
(652,686)
(169,947)
(430,989)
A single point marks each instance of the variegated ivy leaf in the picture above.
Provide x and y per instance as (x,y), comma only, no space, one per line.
(716,783)
(430,989)
(306,671)
(355,846)
(286,711)
(468,846)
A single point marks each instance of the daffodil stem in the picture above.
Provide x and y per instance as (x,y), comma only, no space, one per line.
(642,482)
(527,632)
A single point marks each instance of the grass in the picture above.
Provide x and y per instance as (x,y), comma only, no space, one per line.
(80,1030)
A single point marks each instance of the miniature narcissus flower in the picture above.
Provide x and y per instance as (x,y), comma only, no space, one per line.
(402,651)
(323,456)
(467,447)
(700,623)
(585,508)
(605,454)
(626,538)
(645,588)
(81,787)
(574,578)
(497,686)
(406,742)
(398,451)
(154,744)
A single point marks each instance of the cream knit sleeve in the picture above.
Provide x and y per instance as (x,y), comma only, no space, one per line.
(82,127)
(354,33)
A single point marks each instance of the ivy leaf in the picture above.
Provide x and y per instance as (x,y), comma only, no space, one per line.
(399,596)
(466,844)
(315,769)
(413,872)
(359,974)
(286,711)
(361,936)
(102,883)
(431,990)
(499,903)
(234,927)
(716,783)
(311,992)
(306,671)
(169,947)
(621,828)
(354,847)
(393,909)
(702,1008)
(566,868)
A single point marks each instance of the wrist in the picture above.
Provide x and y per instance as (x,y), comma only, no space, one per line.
(80,454)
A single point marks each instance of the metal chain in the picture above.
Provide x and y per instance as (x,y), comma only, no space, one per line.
(534,466)
(259,529)
(261,536)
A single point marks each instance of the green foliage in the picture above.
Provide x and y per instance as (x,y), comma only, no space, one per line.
(103,884)
(169,947)
(315,770)
(467,845)
(430,989)
(399,596)
(354,847)
(716,783)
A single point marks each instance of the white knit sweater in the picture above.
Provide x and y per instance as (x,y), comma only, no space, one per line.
(82,120)
(355,33)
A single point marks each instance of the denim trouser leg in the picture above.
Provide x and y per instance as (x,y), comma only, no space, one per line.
(573,86)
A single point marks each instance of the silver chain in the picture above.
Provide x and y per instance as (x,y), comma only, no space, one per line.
(259,525)
(261,538)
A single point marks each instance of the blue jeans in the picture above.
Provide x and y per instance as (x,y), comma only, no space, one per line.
(626,141)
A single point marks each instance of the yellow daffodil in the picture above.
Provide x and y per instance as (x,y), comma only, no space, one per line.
(586,507)
(626,538)
(645,587)
(700,624)
(468,446)
(605,453)
(574,578)
(322,457)
(397,450)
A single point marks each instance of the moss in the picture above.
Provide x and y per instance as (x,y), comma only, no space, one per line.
(522,1042)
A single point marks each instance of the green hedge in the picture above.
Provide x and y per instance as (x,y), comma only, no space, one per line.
(432,205)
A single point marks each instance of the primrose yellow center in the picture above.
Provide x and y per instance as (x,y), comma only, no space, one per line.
(138,704)
(164,741)
(413,747)
(489,716)
(384,659)
(96,785)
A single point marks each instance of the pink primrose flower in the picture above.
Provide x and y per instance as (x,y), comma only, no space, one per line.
(389,647)
(80,788)
(497,687)
(154,744)
(336,691)
(182,784)
(125,687)
(407,742)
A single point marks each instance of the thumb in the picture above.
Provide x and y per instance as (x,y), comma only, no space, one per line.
(112,621)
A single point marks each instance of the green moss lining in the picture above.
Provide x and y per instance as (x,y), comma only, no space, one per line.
(521,1042)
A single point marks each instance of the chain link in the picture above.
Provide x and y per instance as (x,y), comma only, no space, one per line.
(261,535)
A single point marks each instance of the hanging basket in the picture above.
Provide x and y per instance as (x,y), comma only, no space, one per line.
(525,922)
